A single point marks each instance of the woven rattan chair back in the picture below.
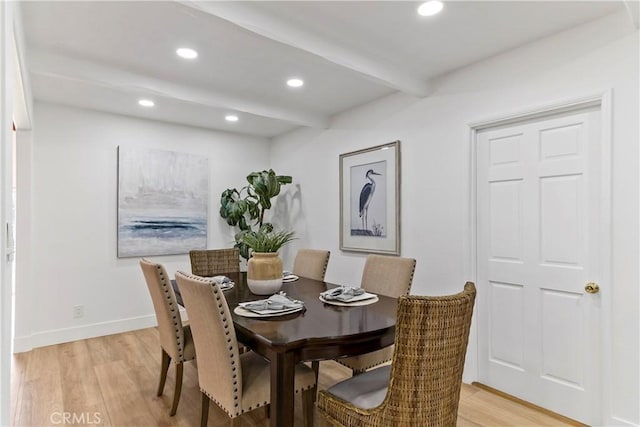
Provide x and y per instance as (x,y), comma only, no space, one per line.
(311,263)
(426,374)
(212,262)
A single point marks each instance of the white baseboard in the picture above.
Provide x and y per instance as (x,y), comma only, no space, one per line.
(22,344)
(59,336)
(616,421)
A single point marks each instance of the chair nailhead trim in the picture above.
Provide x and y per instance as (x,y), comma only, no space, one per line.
(178,328)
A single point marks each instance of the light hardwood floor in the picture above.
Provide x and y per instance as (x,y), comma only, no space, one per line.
(112,380)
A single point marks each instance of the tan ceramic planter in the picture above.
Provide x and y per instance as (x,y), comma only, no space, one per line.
(264,273)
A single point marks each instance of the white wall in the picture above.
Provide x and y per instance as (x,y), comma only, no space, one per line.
(7,66)
(73,221)
(435,147)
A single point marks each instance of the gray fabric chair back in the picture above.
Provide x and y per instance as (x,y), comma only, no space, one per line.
(219,367)
(166,308)
(388,275)
(311,263)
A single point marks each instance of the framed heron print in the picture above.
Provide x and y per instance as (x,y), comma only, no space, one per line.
(370,200)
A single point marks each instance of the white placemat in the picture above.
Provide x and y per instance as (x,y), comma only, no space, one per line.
(356,303)
(241,311)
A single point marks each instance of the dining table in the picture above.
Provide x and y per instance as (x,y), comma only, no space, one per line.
(320,331)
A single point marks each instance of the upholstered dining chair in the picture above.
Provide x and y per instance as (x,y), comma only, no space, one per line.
(384,275)
(175,339)
(237,383)
(211,262)
(311,263)
(422,385)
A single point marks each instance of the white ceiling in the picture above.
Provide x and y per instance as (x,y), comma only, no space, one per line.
(107,55)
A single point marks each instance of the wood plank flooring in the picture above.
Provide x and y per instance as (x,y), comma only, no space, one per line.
(112,380)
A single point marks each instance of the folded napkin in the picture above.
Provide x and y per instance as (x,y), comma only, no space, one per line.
(342,293)
(222,281)
(275,303)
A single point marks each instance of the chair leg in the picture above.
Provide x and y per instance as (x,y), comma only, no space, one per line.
(178,389)
(204,416)
(308,399)
(315,365)
(164,367)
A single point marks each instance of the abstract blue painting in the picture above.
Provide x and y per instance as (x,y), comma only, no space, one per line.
(163,201)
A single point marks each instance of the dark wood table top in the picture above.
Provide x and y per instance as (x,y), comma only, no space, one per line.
(319,322)
(320,332)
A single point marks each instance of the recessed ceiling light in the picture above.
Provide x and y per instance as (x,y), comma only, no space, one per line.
(294,82)
(187,53)
(430,8)
(231,118)
(146,102)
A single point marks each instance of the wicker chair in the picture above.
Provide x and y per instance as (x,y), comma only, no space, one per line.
(175,340)
(237,383)
(422,385)
(311,263)
(211,262)
(384,275)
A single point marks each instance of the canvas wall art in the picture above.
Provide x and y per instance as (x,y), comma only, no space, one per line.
(162,202)
(370,199)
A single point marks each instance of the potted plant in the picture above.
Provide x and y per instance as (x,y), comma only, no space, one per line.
(245,208)
(264,268)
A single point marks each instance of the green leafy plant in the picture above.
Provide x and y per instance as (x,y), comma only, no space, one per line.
(267,241)
(245,208)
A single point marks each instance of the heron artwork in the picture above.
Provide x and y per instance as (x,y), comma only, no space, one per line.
(366,194)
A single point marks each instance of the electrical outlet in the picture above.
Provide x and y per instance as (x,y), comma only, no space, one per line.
(78,311)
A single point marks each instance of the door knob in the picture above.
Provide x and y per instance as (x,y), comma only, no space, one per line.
(592,288)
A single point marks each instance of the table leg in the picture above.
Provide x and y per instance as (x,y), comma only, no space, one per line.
(282,390)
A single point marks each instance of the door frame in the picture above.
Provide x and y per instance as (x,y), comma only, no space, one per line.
(602,101)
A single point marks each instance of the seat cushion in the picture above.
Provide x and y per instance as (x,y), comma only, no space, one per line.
(365,361)
(256,380)
(366,390)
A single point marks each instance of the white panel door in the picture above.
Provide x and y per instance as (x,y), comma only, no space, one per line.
(537,193)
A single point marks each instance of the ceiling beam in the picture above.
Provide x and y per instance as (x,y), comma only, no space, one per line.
(278,29)
(55,65)
(633,9)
